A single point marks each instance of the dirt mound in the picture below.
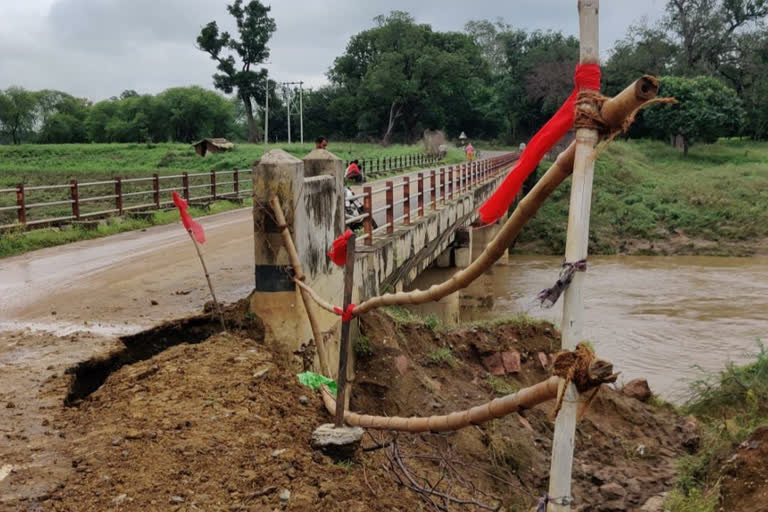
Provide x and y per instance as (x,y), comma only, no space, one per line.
(744,483)
(217,425)
(221,424)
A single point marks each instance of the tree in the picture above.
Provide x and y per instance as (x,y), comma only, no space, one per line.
(706,29)
(706,110)
(255,28)
(645,50)
(17,113)
(401,74)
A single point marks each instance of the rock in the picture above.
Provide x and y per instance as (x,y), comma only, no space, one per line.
(118,500)
(637,389)
(688,428)
(177,499)
(543,359)
(494,364)
(285,495)
(116,442)
(654,504)
(133,434)
(401,364)
(303,400)
(511,361)
(277,453)
(337,443)
(612,491)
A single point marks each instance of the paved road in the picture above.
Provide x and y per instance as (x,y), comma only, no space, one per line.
(109,285)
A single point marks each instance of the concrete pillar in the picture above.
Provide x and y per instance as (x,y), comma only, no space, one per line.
(462,250)
(314,210)
(447,310)
(482,237)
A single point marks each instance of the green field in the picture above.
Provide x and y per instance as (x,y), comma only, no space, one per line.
(649,199)
(36,164)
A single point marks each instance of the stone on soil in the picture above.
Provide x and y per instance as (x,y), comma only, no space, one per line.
(638,389)
(338,443)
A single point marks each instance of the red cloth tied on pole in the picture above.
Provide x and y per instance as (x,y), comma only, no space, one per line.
(586,76)
(346,316)
(189,223)
(338,252)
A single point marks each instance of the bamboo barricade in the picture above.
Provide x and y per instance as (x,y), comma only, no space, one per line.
(587,137)
(617,112)
(523,399)
(298,272)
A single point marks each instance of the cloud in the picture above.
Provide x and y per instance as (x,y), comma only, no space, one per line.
(98,48)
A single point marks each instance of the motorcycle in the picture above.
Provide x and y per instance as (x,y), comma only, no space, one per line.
(353,207)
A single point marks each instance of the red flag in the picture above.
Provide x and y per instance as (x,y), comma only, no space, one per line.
(587,76)
(189,223)
(338,252)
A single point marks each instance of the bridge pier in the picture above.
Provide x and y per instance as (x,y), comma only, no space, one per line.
(481,237)
(311,194)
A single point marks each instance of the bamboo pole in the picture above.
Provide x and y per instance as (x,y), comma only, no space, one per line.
(617,110)
(208,278)
(523,399)
(298,272)
(575,250)
(341,375)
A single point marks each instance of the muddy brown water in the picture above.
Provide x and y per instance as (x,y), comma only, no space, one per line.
(668,319)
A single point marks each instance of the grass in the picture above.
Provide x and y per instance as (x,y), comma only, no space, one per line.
(521,322)
(20,241)
(501,386)
(58,163)
(729,406)
(441,356)
(362,346)
(646,190)
(403,315)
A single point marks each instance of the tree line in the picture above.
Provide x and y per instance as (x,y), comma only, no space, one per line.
(400,77)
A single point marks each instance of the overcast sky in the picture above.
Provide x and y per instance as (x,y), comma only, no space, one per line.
(98,48)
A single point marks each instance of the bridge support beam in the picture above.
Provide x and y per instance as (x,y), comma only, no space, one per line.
(311,195)
(483,236)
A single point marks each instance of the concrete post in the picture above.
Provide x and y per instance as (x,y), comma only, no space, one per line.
(311,195)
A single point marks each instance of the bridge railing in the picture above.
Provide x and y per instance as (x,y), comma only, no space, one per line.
(436,187)
(78,201)
(374,167)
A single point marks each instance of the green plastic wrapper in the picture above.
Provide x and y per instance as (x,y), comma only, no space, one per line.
(314,381)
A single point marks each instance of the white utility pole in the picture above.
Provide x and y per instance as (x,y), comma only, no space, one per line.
(266,111)
(576,246)
(288,109)
(301,109)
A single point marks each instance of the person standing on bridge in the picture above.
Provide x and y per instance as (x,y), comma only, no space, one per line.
(470,152)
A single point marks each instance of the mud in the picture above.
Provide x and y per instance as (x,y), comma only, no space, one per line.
(219,424)
(744,482)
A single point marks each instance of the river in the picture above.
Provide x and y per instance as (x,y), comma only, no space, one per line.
(668,319)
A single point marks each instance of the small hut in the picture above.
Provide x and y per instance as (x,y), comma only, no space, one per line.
(212,145)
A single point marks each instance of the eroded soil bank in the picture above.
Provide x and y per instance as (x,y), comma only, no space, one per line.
(221,423)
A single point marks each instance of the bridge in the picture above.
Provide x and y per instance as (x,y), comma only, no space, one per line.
(423,218)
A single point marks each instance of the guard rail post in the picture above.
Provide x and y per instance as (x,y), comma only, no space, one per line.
(74,191)
(236,184)
(119,195)
(213,184)
(390,207)
(442,184)
(407,199)
(156,190)
(21,204)
(420,199)
(433,190)
(450,183)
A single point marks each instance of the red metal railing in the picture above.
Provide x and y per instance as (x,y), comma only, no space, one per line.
(46,204)
(458,181)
